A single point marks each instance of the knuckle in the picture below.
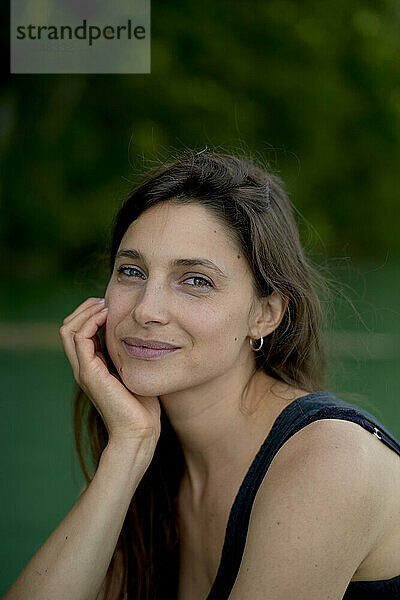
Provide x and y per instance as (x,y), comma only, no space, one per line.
(63,330)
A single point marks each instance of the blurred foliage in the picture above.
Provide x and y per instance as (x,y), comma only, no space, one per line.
(312,87)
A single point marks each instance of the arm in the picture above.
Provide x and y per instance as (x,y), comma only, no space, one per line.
(315,518)
(117,582)
(73,561)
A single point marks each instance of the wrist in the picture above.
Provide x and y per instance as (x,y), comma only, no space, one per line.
(136,450)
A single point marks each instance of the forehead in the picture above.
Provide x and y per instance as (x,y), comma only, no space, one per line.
(171,230)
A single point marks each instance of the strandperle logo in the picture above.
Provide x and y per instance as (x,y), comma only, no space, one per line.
(80,36)
(84,32)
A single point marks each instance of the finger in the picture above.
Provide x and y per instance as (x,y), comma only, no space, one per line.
(68,331)
(80,318)
(88,302)
(84,345)
(81,308)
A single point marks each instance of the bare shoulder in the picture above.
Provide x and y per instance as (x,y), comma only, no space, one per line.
(316,515)
(347,452)
(326,437)
(328,443)
(361,458)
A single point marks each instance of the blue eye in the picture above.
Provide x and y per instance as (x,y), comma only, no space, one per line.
(205,284)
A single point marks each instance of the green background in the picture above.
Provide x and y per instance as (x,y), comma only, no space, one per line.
(313,88)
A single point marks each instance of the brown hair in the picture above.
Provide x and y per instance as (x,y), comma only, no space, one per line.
(255,209)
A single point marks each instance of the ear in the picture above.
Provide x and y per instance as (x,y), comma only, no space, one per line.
(267,315)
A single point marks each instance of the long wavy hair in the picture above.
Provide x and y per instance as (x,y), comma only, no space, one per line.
(254,207)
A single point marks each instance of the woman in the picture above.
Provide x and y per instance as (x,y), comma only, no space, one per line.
(223,469)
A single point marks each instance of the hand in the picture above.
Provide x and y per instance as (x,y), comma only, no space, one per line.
(125,416)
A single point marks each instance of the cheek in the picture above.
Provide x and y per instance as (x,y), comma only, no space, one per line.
(219,326)
(116,313)
(117,302)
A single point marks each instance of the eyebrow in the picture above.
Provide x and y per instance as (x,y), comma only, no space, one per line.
(177,262)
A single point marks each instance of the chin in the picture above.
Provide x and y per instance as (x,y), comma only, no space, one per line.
(146,386)
(156,386)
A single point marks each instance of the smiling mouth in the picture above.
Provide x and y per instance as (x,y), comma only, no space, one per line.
(154,344)
(145,352)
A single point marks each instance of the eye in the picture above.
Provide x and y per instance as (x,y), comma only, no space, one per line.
(123,269)
(204,283)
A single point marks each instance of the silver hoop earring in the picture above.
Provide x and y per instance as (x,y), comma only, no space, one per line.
(260,346)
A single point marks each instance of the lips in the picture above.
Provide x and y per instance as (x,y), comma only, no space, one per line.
(155,344)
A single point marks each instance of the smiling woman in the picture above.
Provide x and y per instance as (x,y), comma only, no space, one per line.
(202,380)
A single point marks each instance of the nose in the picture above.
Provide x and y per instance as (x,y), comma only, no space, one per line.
(151,305)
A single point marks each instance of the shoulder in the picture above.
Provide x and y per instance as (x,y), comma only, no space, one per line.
(314,516)
(327,439)
(333,453)
(327,455)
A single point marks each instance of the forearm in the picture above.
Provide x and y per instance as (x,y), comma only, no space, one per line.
(73,561)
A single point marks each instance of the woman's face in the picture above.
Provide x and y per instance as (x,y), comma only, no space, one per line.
(156,292)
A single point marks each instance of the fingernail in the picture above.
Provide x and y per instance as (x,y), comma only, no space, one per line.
(101,301)
(104,309)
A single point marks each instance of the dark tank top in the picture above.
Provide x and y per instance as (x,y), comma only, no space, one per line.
(298,414)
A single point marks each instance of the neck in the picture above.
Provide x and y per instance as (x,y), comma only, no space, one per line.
(221,423)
